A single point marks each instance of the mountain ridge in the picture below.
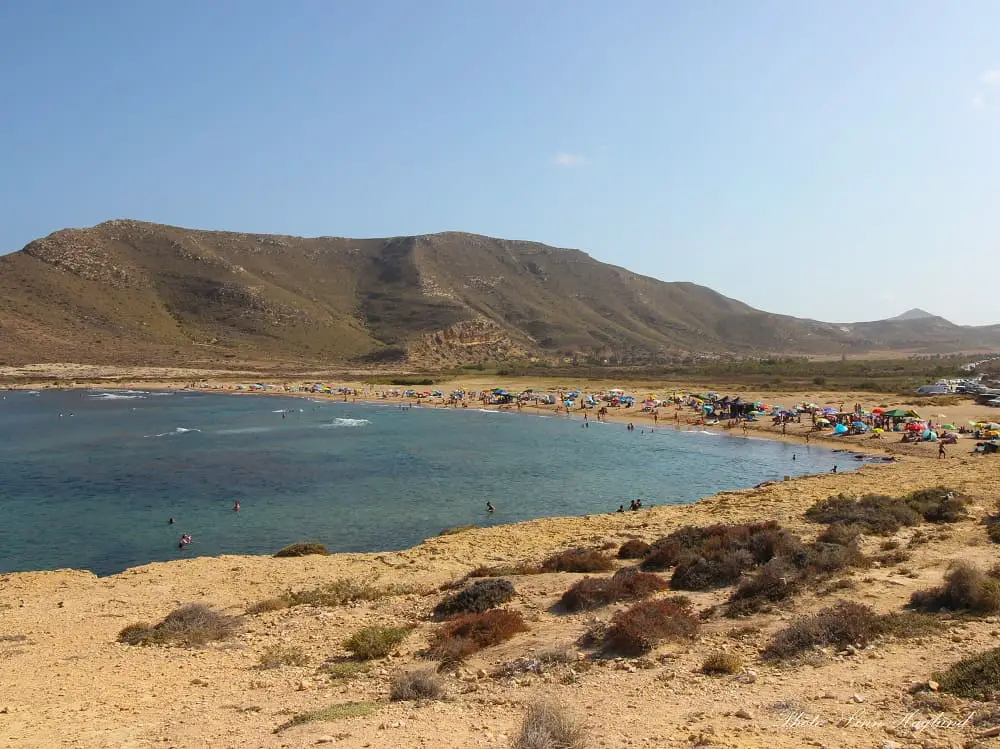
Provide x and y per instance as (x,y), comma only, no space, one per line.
(133,291)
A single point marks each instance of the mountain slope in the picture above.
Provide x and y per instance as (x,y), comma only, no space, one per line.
(130,292)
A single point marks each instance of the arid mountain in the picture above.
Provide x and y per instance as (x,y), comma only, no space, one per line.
(131,292)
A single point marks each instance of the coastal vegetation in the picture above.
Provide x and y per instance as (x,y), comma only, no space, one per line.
(627,584)
(424,684)
(642,627)
(467,634)
(577,560)
(965,588)
(192,625)
(634,548)
(333,712)
(375,641)
(974,677)
(334,593)
(302,549)
(549,725)
(478,597)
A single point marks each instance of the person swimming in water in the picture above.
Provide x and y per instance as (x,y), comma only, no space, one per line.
(185,540)
(489,507)
(236,507)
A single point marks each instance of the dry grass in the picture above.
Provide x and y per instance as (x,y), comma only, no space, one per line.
(722,663)
(192,625)
(335,593)
(548,725)
(278,656)
(375,641)
(416,685)
(333,712)
(506,570)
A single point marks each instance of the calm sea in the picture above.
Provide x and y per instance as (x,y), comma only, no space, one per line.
(88,479)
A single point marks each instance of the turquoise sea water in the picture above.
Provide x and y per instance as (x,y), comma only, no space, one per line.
(88,479)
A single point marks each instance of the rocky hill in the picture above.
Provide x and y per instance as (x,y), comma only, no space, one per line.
(131,292)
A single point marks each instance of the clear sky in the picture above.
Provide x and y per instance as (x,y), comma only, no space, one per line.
(835,160)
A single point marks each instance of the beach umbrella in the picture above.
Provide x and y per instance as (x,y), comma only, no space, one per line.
(951,427)
(878,410)
(839,429)
(823,422)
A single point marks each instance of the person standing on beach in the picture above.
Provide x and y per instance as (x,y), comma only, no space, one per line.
(941,451)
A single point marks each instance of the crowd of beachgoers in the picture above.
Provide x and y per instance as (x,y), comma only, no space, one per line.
(805,419)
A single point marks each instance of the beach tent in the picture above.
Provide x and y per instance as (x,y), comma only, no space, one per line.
(899,413)
(840,429)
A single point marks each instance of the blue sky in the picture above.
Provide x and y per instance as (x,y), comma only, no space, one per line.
(833,160)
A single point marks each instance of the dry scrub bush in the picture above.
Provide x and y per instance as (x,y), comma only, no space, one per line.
(577,560)
(416,685)
(506,570)
(645,625)
(278,656)
(633,549)
(375,641)
(966,588)
(302,549)
(976,677)
(882,515)
(722,663)
(717,555)
(333,712)
(548,725)
(478,597)
(624,585)
(343,669)
(843,624)
(335,593)
(192,625)
(468,634)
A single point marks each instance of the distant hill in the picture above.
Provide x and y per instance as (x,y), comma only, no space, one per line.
(132,292)
(914,314)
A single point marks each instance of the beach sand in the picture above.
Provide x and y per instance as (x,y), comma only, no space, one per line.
(66,682)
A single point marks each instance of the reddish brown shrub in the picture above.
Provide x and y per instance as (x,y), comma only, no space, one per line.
(642,627)
(473,632)
(633,549)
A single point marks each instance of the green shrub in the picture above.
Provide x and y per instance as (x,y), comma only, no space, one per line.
(478,597)
(375,641)
(302,550)
(642,627)
(976,677)
(965,588)
(722,663)
(842,533)
(633,549)
(577,560)
(191,625)
(416,685)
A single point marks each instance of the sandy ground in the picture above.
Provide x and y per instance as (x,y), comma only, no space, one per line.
(66,682)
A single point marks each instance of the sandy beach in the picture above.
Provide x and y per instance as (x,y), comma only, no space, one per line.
(68,683)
